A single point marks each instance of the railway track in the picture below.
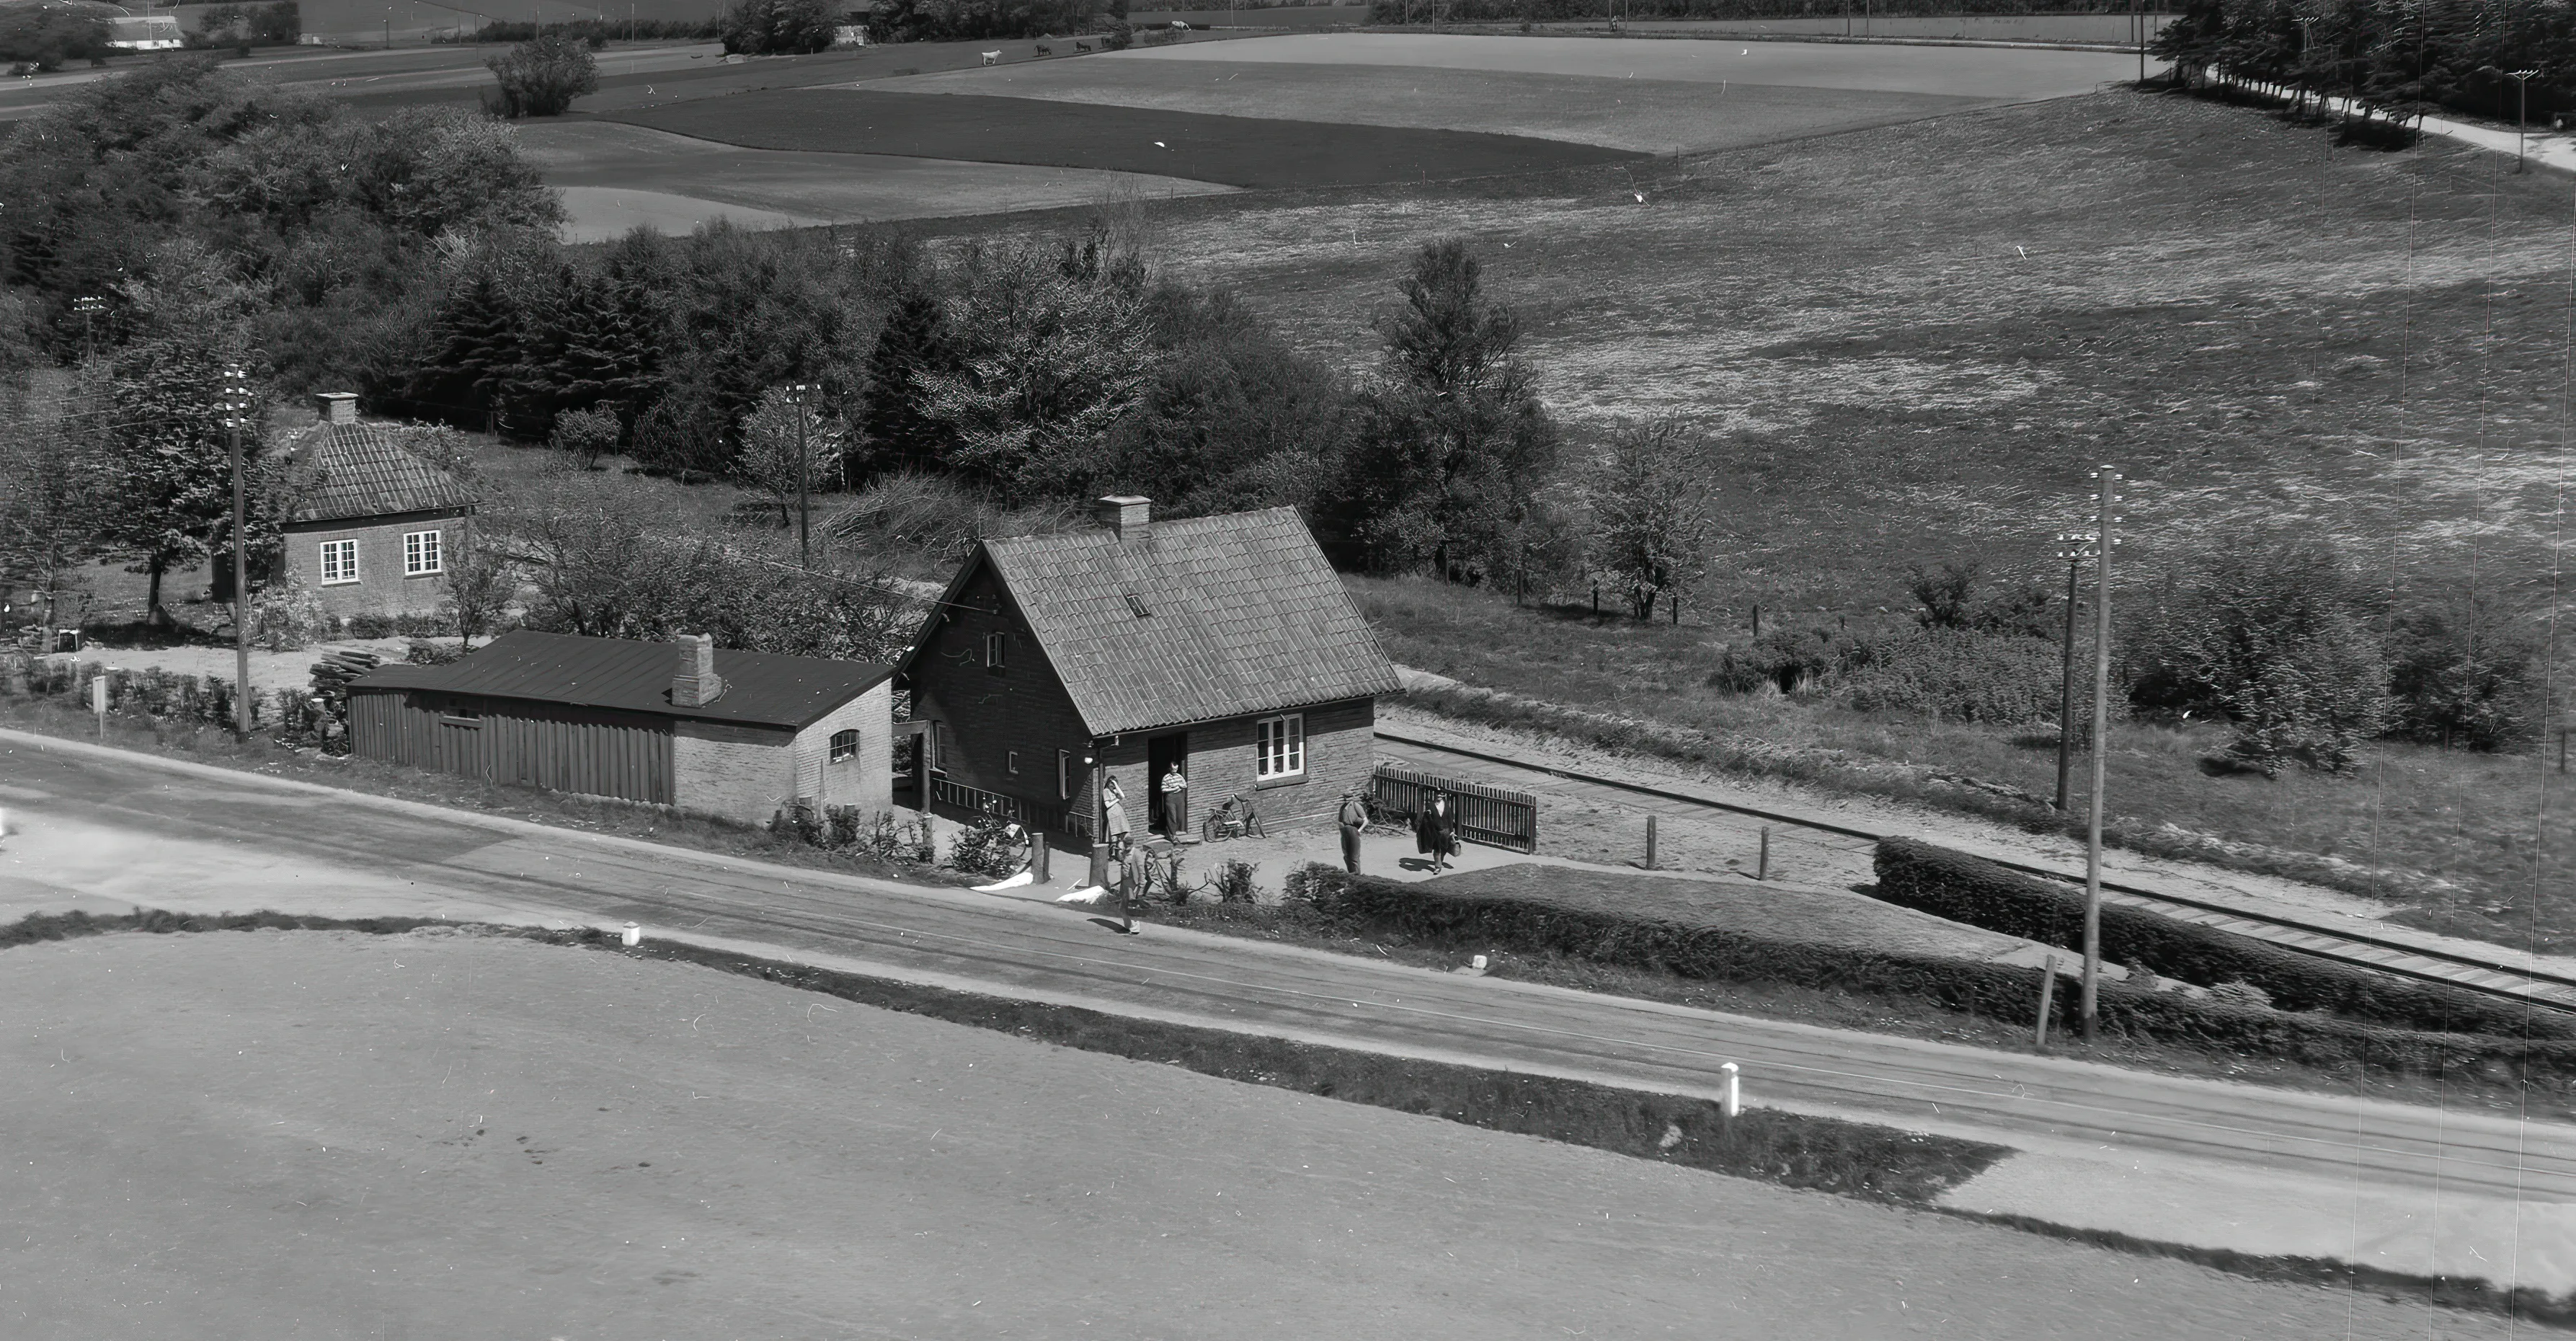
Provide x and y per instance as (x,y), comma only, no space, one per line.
(2491,976)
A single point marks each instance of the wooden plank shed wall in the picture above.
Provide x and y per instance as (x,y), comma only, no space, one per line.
(589,751)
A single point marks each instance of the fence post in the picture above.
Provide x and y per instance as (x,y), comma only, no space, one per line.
(1038,856)
(2047,995)
(1762,864)
(1650,842)
(1734,1089)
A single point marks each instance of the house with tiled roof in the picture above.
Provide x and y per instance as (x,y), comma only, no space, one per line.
(374,528)
(1224,649)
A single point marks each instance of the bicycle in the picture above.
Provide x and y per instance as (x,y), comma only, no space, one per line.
(1235,819)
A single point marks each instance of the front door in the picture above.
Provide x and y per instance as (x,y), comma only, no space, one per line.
(1167,761)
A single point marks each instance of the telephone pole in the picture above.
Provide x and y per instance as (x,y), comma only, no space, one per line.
(2106,486)
(2073,548)
(235,399)
(799,394)
(89,307)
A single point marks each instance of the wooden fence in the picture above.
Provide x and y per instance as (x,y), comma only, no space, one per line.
(1488,815)
(960,802)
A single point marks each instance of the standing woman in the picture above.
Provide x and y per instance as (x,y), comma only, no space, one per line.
(1114,801)
(1435,831)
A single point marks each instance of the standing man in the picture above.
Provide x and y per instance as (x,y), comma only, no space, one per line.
(1354,821)
(1174,802)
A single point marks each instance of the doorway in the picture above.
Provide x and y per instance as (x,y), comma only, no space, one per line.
(1167,756)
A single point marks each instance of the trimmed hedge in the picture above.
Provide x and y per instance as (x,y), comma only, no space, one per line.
(1468,923)
(1969,889)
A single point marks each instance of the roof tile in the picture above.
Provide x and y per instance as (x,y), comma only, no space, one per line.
(363,470)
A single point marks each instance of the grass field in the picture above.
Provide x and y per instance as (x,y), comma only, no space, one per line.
(1234,151)
(306,1135)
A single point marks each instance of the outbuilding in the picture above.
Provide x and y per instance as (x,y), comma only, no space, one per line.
(740,735)
(374,528)
(1224,649)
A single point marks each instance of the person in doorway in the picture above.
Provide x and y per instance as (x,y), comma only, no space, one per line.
(1435,832)
(1113,802)
(1354,822)
(1172,801)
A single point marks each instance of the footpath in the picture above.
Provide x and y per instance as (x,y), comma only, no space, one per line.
(2473,1193)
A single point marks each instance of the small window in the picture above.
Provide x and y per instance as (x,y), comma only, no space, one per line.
(935,740)
(845,745)
(1012,760)
(421,554)
(1137,603)
(1064,775)
(1280,747)
(339,562)
(996,645)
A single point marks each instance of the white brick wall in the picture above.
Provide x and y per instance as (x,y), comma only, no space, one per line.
(751,773)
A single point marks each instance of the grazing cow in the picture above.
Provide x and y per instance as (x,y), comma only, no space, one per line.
(991,56)
(1082,46)
(1045,50)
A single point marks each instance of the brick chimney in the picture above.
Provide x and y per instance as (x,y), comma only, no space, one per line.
(1126,514)
(696,684)
(337,407)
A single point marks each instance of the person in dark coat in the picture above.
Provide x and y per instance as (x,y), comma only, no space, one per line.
(1435,831)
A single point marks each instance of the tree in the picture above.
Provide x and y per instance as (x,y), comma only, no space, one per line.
(1651,520)
(585,435)
(171,458)
(899,431)
(479,589)
(1453,443)
(1944,593)
(771,443)
(778,27)
(1232,419)
(55,493)
(50,36)
(2464,682)
(1050,354)
(2275,632)
(542,76)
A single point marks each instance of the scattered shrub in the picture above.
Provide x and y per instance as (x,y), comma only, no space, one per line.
(2468,685)
(990,844)
(1233,881)
(1959,673)
(778,27)
(422,652)
(1789,660)
(1975,891)
(289,616)
(541,76)
(586,435)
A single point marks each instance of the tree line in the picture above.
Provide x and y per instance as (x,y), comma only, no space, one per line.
(2392,58)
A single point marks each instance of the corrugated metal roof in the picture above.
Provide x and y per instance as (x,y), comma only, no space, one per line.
(347,471)
(1195,620)
(761,688)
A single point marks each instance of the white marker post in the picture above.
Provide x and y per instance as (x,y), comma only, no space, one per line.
(1734,1090)
(98,702)
(633,936)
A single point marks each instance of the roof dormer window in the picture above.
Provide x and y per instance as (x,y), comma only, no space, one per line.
(1136,603)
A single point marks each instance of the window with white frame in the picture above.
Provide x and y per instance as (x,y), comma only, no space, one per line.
(845,745)
(996,646)
(421,554)
(935,740)
(339,562)
(1064,775)
(1279,745)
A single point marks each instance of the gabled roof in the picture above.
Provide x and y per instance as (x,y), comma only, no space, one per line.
(349,471)
(761,688)
(1241,615)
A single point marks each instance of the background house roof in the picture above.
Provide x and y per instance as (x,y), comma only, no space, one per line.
(761,688)
(347,471)
(1243,615)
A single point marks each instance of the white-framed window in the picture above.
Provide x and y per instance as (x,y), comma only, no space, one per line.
(339,562)
(996,648)
(1012,760)
(845,745)
(1064,775)
(1279,747)
(421,553)
(935,740)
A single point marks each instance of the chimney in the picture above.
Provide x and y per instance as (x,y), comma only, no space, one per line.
(1126,514)
(697,684)
(337,407)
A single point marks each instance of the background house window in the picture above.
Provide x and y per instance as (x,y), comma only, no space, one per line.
(845,745)
(1280,747)
(339,562)
(1064,775)
(421,554)
(1012,760)
(994,646)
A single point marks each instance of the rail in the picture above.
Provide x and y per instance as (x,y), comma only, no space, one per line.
(2558,990)
(967,802)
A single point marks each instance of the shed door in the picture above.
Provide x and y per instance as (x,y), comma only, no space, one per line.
(459,744)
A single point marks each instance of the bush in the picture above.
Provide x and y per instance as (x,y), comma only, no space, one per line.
(288,616)
(1487,922)
(48,36)
(1118,36)
(1959,674)
(2467,687)
(586,435)
(1789,660)
(989,845)
(1975,891)
(1233,881)
(778,27)
(541,76)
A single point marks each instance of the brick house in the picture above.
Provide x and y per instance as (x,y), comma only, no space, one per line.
(1223,646)
(740,735)
(374,528)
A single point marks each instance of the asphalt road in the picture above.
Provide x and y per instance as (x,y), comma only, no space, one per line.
(167,827)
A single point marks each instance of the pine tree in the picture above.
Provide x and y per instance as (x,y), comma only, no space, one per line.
(471,349)
(900,433)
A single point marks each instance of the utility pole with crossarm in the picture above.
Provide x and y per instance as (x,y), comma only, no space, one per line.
(234,398)
(2106,496)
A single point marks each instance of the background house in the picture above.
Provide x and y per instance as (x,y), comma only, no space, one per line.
(375,528)
(1226,645)
(740,735)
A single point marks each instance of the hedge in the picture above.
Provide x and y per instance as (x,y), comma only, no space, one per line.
(1511,922)
(1969,889)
